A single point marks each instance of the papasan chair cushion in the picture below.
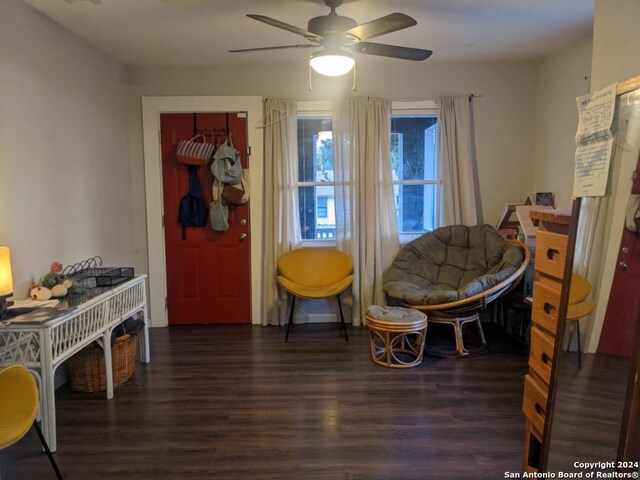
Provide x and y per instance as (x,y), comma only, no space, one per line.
(450,264)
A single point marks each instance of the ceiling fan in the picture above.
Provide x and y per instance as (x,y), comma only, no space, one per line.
(340,36)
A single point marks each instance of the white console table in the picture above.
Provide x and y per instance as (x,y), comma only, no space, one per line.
(42,347)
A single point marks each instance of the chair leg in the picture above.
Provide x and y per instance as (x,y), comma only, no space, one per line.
(579,347)
(573,331)
(293,304)
(483,339)
(46,449)
(457,329)
(344,325)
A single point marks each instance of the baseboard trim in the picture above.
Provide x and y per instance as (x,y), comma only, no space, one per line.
(321,318)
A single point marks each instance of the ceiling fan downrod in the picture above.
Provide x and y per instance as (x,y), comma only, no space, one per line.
(333,4)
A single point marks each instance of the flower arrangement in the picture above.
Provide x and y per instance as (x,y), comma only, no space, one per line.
(53,284)
(54,277)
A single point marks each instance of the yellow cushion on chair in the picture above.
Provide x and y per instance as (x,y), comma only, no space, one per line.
(579,310)
(315,272)
(315,292)
(18,404)
(579,290)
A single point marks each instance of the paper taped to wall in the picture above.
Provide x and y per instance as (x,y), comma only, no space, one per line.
(594,142)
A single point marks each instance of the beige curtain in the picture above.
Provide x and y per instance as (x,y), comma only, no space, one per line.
(589,250)
(365,206)
(458,195)
(281,230)
(590,237)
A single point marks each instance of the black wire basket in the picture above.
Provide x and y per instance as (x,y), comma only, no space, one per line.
(91,274)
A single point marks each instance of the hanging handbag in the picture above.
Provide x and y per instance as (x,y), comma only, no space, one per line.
(237,194)
(226,165)
(233,193)
(191,152)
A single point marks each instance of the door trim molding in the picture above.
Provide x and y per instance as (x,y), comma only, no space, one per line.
(152,107)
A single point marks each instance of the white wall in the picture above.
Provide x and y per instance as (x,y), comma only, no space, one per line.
(615,40)
(503,116)
(562,76)
(616,37)
(65,181)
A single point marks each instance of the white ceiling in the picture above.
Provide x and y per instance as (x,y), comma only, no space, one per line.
(199,32)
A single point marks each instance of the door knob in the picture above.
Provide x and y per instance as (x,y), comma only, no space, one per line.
(623,266)
(243,221)
(243,236)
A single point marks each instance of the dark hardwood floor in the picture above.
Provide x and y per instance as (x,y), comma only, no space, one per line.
(235,402)
(588,411)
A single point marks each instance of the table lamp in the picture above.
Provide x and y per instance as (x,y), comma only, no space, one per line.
(6,282)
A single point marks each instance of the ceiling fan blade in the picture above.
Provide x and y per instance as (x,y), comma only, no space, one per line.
(382,25)
(285,26)
(280,47)
(404,53)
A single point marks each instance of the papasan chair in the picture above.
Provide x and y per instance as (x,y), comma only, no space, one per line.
(454,272)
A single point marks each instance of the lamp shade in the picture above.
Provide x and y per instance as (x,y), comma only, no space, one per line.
(332,64)
(6,282)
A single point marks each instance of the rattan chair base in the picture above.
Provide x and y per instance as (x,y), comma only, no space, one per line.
(457,323)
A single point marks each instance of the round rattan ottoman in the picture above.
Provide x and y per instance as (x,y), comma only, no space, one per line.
(397,335)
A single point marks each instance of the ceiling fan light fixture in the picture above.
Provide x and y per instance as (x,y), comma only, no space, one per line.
(332,64)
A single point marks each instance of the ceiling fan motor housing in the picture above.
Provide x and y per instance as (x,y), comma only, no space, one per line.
(332,23)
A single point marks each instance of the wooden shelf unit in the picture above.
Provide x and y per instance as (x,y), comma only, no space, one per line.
(555,243)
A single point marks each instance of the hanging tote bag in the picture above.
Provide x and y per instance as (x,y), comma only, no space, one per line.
(226,165)
(218,210)
(191,152)
(219,216)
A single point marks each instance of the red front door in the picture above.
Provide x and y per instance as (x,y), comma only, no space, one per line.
(624,300)
(208,273)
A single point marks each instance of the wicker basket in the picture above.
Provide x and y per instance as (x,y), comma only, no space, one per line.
(86,368)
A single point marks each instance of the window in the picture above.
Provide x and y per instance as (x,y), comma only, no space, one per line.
(321,210)
(416,174)
(414,162)
(315,177)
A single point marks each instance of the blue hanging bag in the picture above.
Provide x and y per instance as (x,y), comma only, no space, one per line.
(193,211)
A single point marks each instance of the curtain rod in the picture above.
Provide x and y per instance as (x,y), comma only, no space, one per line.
(470,95)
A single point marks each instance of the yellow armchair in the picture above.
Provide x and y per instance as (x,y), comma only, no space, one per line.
(314,273)
(18,409)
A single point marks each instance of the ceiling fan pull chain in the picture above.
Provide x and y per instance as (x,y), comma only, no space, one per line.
(310,87)
(353,88)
